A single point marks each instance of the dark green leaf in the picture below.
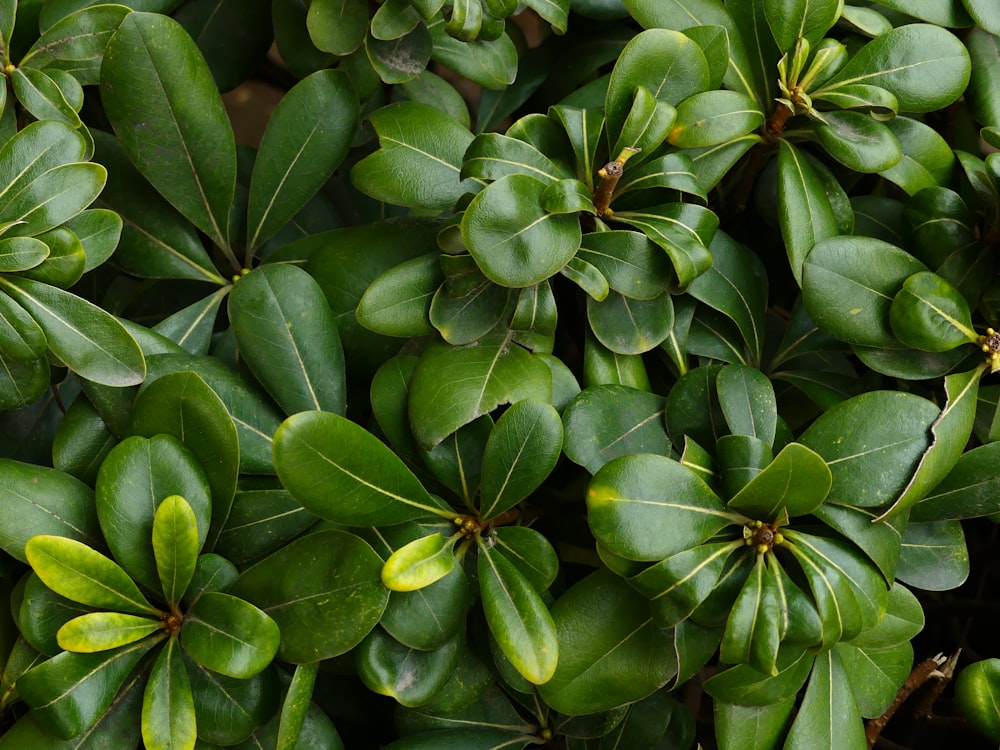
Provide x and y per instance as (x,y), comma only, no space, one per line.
(168,717)
(751,727)
(968,491)
(51,198)
(182,404)
(322,590)
(745,686)
(154,73)
(612,653)
(828,718)
(800,19)
(747,401)
(42,97)
(300,149)
(711,118)
(683,230)
(804,209)
(930,314)
(628,510)
(934,556)
(76,41)
(70,692)
(976,693)
(260,522)
(229,635)
(858,141)
(492,64)
(631,326)
(927,159)
(420,158)
(400,60)
(492,156)
(517,617)
(481,377)
(411,677)
(398,302)
(796,481)
(337,26)
(752,631)
(227,710)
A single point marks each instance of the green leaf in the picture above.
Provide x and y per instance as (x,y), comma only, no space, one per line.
(154,74)
(587,277)
(736,286)
(796,481)
(647,125)
(611,652)
(66,262)
(802,18)
(683,230)
(337,26)
(751,727)
(21,253)
(70,692)
(297,710)
(876,674)
(984,49)
(929,314)
(260,522)
(872,444)
(343,473)
(741,458)
(191,327)
(711,118)
(752,631)
(79,573)
(879,541)
(227,710)
(182,404)
(100,631)
(977,692)
(76,42)
(521,452)
(858,141)
(517,617)
(481,377)
(322,590)
(492,64)
(927,159)
(156,240)
(804,209)
(968,491)
(299,150)
(492,156)
(135,478)
(420,563)
(36,500)
(168,715)
(175,546)
(515,242)
(399,301)
(608,421)
(829,718)
(925,66)
(20,337)
(747,400)
(411,677)
(42,97)
(631,326)
(662,61)
(848,284)
(420,158)
(627,509)
(745,686)
(674,171)
(51,198)
(229,636)
(934,556)
(569,196)
(288,337)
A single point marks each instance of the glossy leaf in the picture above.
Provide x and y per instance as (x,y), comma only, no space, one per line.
(76,42)
(42,97)
(492,156)
(168,716)
(927,159)
(934,556)
(79,573)
(20,337)
(37,500)
(612,653)
(71,691)
(515,242)
(228,710)
(851,303)
(804,212)
(420,563)
(21,253)
(662,61)
(337,26)
(420,158)
(981,95)
(101,631)
(929,314)
(752,727)
(288,337)
(398,302)
(409,676)
(683,230)
(744,686)
(51,198)
(300,149)
(858,141)
(829,716)
(925,66)
(976,692)
(608,421)
(876,674)
(229,636)
(517,617)
(752,633)
(628,510)
(152,69)
(521,452)
(796,481)
(322,590)
(631,326)
(747,400)
(175,546)
(968,490)
(136,477)
(675,171)
(711,118)
(343,473)
(482,377)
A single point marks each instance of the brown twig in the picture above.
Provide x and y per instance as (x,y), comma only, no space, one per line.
(919,675)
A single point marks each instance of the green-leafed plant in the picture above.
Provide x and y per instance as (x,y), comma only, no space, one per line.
(579,374)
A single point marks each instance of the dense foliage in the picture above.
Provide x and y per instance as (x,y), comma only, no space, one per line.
(584,374)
